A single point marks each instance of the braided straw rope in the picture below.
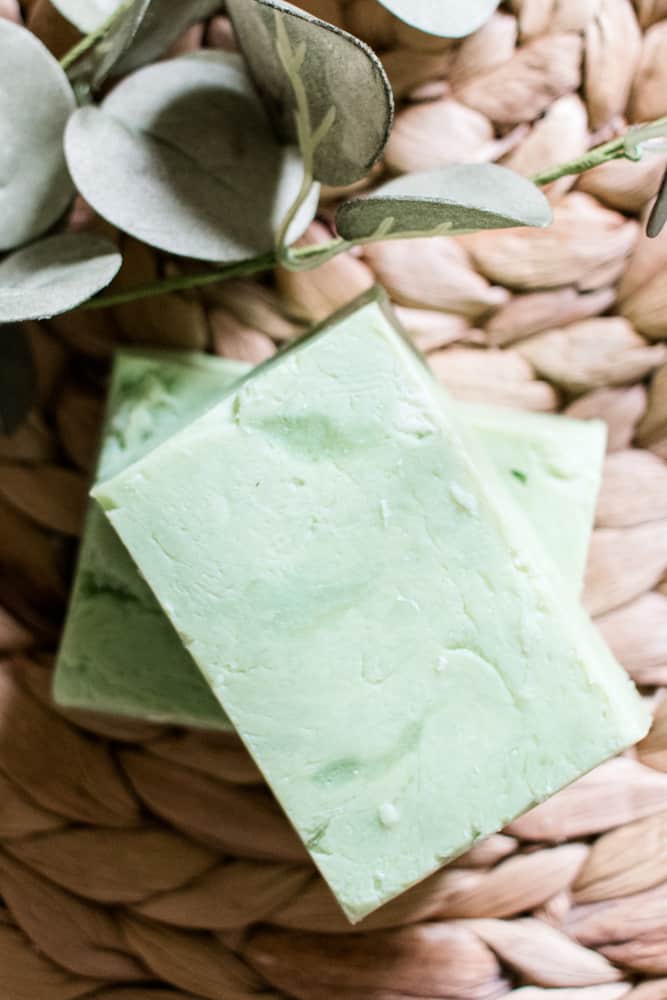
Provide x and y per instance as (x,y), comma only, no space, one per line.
(147,863)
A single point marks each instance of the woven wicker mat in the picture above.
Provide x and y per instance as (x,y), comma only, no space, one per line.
(139,863)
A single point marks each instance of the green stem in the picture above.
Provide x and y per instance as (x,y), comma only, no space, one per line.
(90,40)
(311,256)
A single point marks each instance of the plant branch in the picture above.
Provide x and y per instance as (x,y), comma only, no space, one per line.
(627,146)
(90,40)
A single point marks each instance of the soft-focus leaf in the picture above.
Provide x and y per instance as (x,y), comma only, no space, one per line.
(54,275)
(182,156)
(447,18)
(35,103)
(86,15)
(337,70)
(17,378)
(142,31)
(453,199)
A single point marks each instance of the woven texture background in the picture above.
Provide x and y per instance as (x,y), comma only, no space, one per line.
(145,863)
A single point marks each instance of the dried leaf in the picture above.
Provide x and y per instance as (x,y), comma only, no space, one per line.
(59,768)
(585,246)
(523,87)
(233,339)
(32,442)
(451,199)
(648,258)
(535,312)
(536,17)
(13,635)
(621,409)
(560,135)
(592,354)
(518,884)
(653,428)
(235,894)
(430,329)
(436,959)
(652,750)
(646,307)
(17,378)
(435,133)
(242,821)
(433,274)
(637,635)
(655,989)
(337,70)
(367,20)
(84,939)
(78,418)
(115,866)
(220,755)
(52,496)
(543,954)
(624,185)
(141,162)
(613,46)
(625,861)
(314,295)
(37,100)
(26,974)
(634,489)
(19,817)
(194,962)
(617,792)
(406,72)
(647,953)
(620,919)
(608,991)
(623,563)
(256,306)
(499,377)
(486,49)
(648,95)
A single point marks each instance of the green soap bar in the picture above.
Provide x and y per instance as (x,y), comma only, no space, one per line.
(120,653)
(373,611)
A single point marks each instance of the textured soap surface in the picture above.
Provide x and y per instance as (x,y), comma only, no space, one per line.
(121,654)
(376,616)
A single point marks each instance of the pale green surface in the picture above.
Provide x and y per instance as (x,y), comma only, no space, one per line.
(375,615)
(121,654)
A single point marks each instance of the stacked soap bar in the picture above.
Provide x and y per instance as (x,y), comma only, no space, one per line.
(121,654)
(371,608)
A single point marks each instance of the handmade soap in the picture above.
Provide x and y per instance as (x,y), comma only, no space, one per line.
(121,654)
(371,608)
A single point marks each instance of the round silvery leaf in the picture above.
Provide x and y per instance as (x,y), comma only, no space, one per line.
(86,15)
(17,378)
(338,71)
(35,103)
(182,156)
(54,275)
(447,18)
(141,32)
(453,199)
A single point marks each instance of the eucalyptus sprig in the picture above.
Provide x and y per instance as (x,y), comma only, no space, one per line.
(218,156)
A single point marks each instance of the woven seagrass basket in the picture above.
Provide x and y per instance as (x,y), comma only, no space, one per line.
(146,863)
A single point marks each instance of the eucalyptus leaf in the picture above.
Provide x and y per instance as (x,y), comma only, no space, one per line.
(182,155)
(446,18)
(86,15)
(35,103)
(337,71)
(141,32)
(452,199)
(54,275)
(17,378)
